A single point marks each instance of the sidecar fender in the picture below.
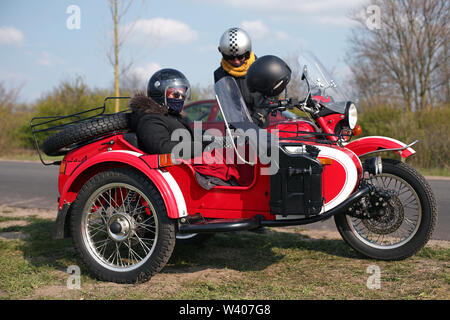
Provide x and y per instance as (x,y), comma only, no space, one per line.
(165,183)
(373,144)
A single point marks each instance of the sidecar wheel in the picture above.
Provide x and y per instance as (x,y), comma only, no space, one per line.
(120,228)
(407,223)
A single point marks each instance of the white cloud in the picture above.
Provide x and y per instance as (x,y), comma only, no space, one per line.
(335,21)
(258,30)
(10,35)
(145,72)
(49,60)
(297,6)
(333,12)
(163,31)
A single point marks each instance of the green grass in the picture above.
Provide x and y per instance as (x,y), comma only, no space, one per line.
(26,155)
(442,172)
(241,265)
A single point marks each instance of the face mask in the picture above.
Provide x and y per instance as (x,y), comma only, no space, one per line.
(175,104)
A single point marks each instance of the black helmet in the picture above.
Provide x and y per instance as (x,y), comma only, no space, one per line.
(268,75)
(164,81)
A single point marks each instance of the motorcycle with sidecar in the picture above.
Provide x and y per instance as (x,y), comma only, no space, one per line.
(125,210)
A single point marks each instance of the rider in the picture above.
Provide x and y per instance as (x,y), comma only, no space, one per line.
(157,115)
(237,56)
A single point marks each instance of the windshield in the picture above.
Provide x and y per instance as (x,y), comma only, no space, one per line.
(231,102)
(323,87)
(238,122)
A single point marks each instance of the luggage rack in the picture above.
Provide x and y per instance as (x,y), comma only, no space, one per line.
(50,123)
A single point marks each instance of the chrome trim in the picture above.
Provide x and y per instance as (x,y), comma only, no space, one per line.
(393,149)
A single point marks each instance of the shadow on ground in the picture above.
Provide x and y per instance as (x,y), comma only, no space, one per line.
(240,251)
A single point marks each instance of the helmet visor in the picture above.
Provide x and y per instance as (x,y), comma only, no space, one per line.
(179,92)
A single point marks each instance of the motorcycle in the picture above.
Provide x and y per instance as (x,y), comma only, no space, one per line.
(125,210)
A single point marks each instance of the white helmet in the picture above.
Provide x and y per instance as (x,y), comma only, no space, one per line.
(235,42)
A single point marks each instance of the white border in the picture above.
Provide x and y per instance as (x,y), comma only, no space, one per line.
(167,176)
(351,175)
(175,188)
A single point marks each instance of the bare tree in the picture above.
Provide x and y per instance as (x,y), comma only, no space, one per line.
(406,59)
(118,10)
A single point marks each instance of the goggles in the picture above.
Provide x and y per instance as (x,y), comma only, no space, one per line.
(176,93)
(239,57)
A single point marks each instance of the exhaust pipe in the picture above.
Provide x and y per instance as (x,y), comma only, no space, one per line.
(339,209)
(227,225)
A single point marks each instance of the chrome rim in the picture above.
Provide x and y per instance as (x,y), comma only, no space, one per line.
(399,221)
(119,227)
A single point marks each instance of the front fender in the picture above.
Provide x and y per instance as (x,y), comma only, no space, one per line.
(372,144)
(167,186)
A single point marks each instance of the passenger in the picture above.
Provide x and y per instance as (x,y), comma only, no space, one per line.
(157,115)
(237,57)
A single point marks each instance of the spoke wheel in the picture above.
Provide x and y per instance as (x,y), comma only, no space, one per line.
(120,227)
(396,223)
(403,225)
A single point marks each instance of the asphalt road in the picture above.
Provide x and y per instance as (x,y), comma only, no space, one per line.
(33,185)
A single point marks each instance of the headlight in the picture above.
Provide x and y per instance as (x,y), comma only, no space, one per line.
(351,114)
(295,149)
(373,165)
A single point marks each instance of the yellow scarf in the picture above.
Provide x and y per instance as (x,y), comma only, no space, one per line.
(241,70)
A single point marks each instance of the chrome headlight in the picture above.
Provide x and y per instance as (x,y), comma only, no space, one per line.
(351,114)
(373,165)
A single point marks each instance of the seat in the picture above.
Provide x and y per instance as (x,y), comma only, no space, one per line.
(131,138)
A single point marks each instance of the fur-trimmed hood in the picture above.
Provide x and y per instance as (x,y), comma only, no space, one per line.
(143,104)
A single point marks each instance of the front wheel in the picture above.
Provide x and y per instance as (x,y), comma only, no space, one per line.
(405,222)
(120,227)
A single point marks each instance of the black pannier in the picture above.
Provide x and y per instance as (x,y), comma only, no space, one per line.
(296,189)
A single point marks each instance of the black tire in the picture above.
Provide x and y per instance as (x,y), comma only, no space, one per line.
(146,238)
(193,238)
(395,175)
(71,136)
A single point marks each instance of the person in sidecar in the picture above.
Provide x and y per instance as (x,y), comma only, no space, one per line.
(237,57)
(157,115)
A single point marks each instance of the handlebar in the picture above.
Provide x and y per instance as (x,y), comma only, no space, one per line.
(280,105)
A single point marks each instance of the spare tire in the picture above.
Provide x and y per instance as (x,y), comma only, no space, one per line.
(71,136)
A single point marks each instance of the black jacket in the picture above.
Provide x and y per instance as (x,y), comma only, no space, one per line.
(154,125)
(253,100)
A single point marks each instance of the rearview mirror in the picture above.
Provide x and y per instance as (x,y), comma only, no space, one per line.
(305,72)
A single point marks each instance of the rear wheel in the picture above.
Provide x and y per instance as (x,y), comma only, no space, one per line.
(120,227)
(403,225)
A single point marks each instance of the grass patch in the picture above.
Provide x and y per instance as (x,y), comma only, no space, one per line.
(440,172)
(242,265)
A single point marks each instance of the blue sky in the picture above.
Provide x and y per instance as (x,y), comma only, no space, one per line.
(38,50)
